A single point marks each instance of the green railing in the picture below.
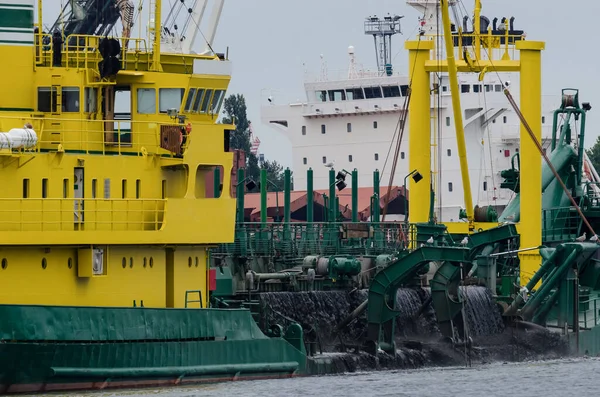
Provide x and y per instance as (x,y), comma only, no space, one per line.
(591,192)
(301,239)
(592,319)
(560,224)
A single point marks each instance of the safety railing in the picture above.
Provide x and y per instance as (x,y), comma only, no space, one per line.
(47,214)
(106,136)
(301,239)
(591,191)
(592,319)
(559,224)
(81,51)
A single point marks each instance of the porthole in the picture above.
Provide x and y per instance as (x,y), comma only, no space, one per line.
(145,262)
(124,262)
(151,262)
(197,261)
(131,262)
(70,263)
(4,263)
(190,261)
(44,263)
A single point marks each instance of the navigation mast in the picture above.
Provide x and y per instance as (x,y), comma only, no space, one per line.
(382,30)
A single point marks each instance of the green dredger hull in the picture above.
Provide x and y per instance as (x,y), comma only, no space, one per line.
(57,348)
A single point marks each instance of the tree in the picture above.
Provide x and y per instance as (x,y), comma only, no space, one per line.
(594,154)
(235,112)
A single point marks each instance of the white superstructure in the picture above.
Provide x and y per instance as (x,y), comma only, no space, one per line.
(351,119)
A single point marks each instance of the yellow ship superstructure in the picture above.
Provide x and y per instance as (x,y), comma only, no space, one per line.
(104,203)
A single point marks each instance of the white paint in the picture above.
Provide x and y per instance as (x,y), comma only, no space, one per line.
(211,66)
(18,138)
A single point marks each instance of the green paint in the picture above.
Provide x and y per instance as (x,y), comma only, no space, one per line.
(16,110)
(15,42)
(82,344)
(24,6)
(13,18)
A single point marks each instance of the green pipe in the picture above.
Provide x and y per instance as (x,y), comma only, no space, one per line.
(287,211)
(530,307)
(555,127)
(581,149)
(541,314)
(336,209)
(546,265)
(286,366)
(217,183)
(355,195)
(263,197)
(331,195)
(310,195)
(275,276)
(239,194)
(376,202)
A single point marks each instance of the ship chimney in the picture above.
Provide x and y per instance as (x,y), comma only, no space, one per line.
(17,54)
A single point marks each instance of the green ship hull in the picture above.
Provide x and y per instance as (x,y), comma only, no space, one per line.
(64,348)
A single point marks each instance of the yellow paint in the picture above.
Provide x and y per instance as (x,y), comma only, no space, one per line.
(419,128)
(531,169)
(463,227)
(140,203)
(458,121)
(528,63)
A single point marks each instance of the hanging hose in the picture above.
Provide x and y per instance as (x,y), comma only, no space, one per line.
(541,150)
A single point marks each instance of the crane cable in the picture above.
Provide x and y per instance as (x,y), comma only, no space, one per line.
(541,150)
(396,154)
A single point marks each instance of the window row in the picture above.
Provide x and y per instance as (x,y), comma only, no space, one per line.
(199,100)
(504,120)
(348,128)
(78,193)
(349,94)
(451,187)
(375,156)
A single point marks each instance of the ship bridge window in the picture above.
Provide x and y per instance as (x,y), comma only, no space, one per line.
(198,100)
(354,93)
(47,98)
(488,87)
(404,90)
(206,101)
(70,99)
(372,92)
(476,88)
(337,95)
(146,100)
(169,98)
(322,96)
(465,88)
(498,87)
(190,100)
(391,91)
(91,100)
(217,101)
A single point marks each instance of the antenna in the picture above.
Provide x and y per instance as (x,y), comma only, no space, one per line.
(382,30)
(352,74)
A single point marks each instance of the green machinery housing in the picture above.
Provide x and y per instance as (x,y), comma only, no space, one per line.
(381,257)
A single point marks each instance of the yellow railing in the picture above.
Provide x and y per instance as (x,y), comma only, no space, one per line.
(81,51)
(92,136)
(50,214)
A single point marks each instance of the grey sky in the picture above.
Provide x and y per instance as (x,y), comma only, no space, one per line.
(269,40)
